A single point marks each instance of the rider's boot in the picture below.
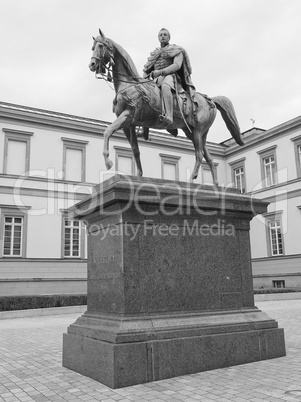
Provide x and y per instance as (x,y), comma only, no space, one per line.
(143,132)
(167,105)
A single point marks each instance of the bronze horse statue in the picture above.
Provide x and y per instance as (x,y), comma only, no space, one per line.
(138,104)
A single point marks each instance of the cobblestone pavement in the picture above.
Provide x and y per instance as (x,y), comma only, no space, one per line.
(31,369)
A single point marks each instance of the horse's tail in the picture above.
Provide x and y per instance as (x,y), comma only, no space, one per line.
(224,105)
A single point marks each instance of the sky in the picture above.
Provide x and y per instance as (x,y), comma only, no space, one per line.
(247,50)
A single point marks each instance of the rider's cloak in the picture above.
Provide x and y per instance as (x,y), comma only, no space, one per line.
(171,51)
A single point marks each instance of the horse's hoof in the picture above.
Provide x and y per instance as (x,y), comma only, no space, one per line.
(109,164)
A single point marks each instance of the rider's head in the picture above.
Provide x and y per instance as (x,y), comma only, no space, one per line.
(164,36)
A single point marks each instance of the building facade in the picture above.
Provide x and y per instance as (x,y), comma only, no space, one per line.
(51,160)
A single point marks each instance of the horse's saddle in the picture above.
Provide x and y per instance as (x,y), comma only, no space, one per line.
(149,93)
(182,104)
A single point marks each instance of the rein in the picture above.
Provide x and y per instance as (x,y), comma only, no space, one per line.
(108,78)
(105,78)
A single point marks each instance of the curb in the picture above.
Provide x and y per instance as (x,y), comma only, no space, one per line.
(42,312)
(277,296)
(7,315)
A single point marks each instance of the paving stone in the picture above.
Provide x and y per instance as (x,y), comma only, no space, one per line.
(31,368)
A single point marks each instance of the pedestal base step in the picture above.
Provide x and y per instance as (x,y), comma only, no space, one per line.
(126,364)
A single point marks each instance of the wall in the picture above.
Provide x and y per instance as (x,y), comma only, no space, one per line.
(42,276)
(48,195)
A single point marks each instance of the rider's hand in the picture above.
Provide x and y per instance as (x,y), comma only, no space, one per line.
(156,73)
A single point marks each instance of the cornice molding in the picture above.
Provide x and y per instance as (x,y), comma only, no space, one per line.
(284,196)
(97,127)
(39,260)
(18,207)
(237,161)
(282,257)
(274,132)
(38,192)
(74,140)
(277,186)
(6,280)
(297,138)
(266,150)
(45,180)
(272,214)
(19,132)
(169,157)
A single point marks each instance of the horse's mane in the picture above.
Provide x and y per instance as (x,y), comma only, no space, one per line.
(127,61)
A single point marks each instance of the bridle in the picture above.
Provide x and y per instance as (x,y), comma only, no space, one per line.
(100,59)
(100,72)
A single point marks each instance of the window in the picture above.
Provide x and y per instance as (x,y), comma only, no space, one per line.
(16,152)
(274,233)
(12,243)
(72,238)
(13,231)
(238,175)
(239,178)
(297,145)
(169,171)
(170,167)
(124,161)
(74,159)
(279,284)
(125,164)
(207,175)
(268,166)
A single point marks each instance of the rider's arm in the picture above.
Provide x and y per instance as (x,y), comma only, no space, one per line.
(174,67)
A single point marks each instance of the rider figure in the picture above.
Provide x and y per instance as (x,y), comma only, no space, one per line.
(162,65)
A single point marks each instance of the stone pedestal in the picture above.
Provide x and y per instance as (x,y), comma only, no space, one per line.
(169,284)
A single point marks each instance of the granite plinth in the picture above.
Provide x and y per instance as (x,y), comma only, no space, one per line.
(170,287)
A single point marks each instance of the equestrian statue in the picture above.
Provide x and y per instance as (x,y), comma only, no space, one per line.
(164,98)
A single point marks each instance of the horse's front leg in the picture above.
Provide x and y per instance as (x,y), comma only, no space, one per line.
(116,125)
(198,142)
(132,138)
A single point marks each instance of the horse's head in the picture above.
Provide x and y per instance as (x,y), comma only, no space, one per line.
(102,56)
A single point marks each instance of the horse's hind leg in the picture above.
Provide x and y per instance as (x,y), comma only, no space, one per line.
(198,141)
(210,163)
(132,138)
